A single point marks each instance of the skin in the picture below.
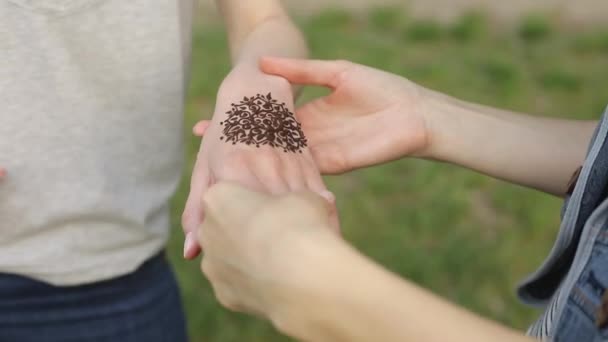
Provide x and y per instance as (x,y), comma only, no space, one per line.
(313,286)
(249,25)
(373,117)
(536,152)
(275,257)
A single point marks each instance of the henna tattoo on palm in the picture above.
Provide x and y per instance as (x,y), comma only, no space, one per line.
(262,120)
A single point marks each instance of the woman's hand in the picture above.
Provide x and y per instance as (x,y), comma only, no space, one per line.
(254,140)
(276,257)
(369,118)
(262,251)
(372,117)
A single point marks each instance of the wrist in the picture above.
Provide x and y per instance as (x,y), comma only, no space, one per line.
(246,76)
(425,116)
(445,119)
(315,280)
(246,79)
(339,299)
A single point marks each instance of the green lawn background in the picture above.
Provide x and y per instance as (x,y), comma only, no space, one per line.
(467,237)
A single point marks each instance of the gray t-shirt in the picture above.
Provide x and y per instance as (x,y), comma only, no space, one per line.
(91,102)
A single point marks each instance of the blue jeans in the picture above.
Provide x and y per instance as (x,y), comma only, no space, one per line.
(141,306)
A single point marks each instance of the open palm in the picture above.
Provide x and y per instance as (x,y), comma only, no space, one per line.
(370,117)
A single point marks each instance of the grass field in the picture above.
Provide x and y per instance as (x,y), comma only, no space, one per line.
(467,237)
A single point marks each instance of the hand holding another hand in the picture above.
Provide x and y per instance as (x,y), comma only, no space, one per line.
(261,250)
(370,117)
(255,141)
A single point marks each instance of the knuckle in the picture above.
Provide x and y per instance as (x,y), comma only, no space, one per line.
(269,158)
(234,161)
(241,161)
(268,165)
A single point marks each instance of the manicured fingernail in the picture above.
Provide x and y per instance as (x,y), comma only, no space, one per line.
(188,245)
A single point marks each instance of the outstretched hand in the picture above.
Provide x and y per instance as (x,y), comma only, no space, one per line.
(370,117)
(253,140)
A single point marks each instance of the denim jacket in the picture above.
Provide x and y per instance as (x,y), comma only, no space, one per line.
(571,283)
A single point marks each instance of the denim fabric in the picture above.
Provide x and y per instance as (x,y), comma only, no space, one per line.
(592,189)
(577,321)
(570,283)
(141,306)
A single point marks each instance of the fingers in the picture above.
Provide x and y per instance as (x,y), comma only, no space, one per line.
(270,172)
(193,213)
(200,127)
(292,171)
(320,206)
(231,200)
(315,183)
(192,247)
(220,197)
(302,71)
(2,173)
(237,203)
(294,175)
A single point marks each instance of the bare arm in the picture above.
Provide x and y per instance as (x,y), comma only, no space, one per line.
(276,256)
(261,27)
(354,299)
(387,117)
(542,153)
(257,156)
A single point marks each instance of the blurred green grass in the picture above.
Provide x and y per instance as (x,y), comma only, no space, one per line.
(467,237)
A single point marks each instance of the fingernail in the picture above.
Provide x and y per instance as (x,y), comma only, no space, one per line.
(187,244)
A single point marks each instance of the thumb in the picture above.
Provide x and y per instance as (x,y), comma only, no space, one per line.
(200,128)
(193,213)
(305,71)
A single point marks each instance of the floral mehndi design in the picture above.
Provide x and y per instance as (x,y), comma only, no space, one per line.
(262,120)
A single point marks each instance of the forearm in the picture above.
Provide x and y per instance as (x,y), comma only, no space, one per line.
(356,300)
(259,28)
(537,152)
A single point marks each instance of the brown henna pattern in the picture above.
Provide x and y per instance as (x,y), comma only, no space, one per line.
(262,120)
